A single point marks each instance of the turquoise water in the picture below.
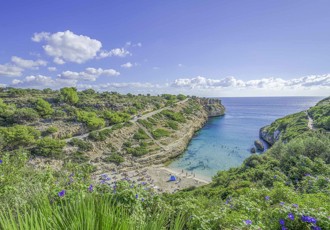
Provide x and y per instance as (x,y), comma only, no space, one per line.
(225,141)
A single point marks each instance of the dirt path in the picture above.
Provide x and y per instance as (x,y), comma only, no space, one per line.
(310,122)
(134,119)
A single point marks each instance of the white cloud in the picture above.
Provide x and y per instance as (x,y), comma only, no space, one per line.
(8,70)
(180,65)
(90,74)
(27,64)
(68,47)
(52,69)
(117,52)
(128,65)
(41,81)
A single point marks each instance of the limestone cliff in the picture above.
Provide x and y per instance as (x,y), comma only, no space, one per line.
(213,106)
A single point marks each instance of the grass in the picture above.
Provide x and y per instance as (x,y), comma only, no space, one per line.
(90,211)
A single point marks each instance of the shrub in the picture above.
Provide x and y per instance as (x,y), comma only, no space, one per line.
(159,133)
(48,147)
(90,119)
(51,129)
(137,151)
(81,144)
(140,135)
(173,115)
(114,158)
(44,108)
(69,95)
(25,115)
(19,136)
(173,125)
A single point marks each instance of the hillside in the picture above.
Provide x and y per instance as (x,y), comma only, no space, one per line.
(286,187)
(316,119)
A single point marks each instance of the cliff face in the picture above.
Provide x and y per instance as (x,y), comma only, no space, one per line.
(212,106)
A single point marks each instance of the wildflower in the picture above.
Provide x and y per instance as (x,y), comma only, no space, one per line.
(295,205)
(248,222)
(291,216)
(142,199)
(136,196)
(284,228)
(0,161)
(275,177)
(61,193)
(308,219)
(281,222)
(90,188)
(282,203)
(267,197)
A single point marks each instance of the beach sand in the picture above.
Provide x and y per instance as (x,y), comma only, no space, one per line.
(157,178)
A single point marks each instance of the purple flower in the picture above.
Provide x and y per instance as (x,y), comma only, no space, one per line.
(284,228)
(0,161)
(316,228)
(61,193)
(281,222)
(291,216)
(90,188)
(102,181)
(275,177)
(136,196)
(282,203)
(142,199)
(308,219)
(248,222)
(267,197)
(295,205)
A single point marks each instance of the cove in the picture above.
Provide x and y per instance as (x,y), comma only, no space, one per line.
(225,141)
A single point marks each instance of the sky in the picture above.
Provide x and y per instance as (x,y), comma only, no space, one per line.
(204,48)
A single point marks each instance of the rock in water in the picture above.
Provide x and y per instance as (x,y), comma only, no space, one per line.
(253,150)
(259,145)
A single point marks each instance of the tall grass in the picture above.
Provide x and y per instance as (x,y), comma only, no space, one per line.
(87,211)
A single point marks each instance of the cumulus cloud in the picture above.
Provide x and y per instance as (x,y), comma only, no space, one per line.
(27,64)
(128,65)
(68,47)
(90,74)
(8,70)
(264,83)
(41,81)
(118,52)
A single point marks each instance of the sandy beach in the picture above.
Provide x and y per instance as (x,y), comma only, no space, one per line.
(157,178)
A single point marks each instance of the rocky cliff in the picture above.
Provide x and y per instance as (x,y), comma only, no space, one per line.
(212,106)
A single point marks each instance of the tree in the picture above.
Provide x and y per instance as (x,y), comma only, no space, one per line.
(24,115)
(19,136)
(44,108)
(69,95)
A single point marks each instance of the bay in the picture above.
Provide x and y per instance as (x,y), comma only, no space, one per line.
(225,141)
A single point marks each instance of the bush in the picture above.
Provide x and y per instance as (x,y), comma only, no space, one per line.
(90,119)
(44,108)
(19,136)
(159,133)
(140,135)
(51,129)
(173,115)
(173,125)
(48,147)
(81,144)
(114,158)
(137,151)
(69,95)
(25,115)
(100,135)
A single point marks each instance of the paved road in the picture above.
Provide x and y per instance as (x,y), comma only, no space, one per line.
(134,119)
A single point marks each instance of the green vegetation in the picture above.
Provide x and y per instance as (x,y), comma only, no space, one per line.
(290,126)
(175,116)
(90,119)
(140,135)
(69,95)
(48,147)
(81,144)
(159,133)
(44,108)
(286,186)
(114,158)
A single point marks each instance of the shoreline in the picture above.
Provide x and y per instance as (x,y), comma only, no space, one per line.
(156,177)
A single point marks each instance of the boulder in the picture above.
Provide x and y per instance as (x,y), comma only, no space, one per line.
(259,145)
(253,150)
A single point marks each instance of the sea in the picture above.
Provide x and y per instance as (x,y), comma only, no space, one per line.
(226,141)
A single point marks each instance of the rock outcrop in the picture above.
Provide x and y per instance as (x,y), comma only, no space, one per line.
(269,137)
(212,106)
(259,145)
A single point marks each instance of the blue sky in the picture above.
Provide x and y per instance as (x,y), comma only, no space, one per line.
(207,48)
